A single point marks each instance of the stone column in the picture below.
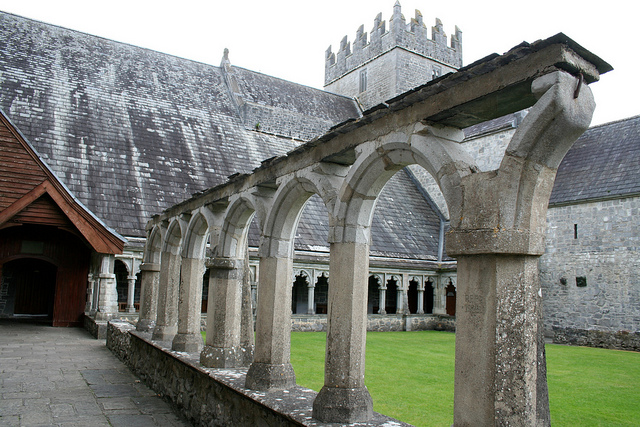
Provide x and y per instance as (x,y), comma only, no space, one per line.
(421,298)
(131,291)
(247,335)
(311,301)
(223,349)
(440,296)
(271,368)
(497,238)
(383,300)
(344,397)
(108,294)
(89,305)
(188,338)
(168,291)
(400,292)
(149,281)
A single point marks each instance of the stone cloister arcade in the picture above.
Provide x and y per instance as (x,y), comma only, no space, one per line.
(497,228)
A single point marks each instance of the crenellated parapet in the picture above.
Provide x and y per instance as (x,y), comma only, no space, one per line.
(413,36)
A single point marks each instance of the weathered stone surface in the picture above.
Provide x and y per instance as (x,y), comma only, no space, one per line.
(216,396)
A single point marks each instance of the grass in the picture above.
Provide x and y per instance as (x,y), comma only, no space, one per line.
(410,377)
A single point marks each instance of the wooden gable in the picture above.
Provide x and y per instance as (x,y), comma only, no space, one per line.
(31,194)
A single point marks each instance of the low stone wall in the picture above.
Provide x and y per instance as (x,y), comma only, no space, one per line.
(621,340)
(380,322)
(213,397)
(97,329)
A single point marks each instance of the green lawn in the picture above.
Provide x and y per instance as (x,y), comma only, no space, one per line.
(410,377)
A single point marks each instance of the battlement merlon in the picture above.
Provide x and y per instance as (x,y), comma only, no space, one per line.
(413,36)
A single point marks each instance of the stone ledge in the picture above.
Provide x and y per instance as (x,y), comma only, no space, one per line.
(214,396)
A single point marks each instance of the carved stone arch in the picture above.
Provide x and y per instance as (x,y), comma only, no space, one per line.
(436,150)
(173,237)
(282,219)
(153,247)
(196,237)
(382,284)
(235,228)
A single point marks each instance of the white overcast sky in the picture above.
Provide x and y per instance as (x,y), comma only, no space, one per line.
(288,38)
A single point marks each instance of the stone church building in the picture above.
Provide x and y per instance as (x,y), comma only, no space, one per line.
(98,136)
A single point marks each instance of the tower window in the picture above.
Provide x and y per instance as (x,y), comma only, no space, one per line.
(363,80)
(436,72)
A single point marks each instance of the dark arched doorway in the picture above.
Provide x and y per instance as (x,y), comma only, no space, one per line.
(428,296)
(412,296)
(29,285)
(451,299)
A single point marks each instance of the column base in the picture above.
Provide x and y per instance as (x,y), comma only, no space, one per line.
(188,343)
(145,325)
(266,377)
(164,333)
(214,357)
(247,354)
(343,405)
(101,315)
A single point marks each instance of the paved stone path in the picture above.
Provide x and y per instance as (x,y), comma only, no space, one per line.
(64,377)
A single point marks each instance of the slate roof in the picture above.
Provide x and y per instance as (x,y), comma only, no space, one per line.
(404,225)
(603,163)
(132,131)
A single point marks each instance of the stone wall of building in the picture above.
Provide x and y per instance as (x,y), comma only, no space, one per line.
(590,272)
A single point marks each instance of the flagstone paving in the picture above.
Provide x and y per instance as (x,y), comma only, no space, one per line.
(64,377)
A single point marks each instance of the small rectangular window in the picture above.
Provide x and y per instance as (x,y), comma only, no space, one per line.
(435,73)
(363,80)
(581,282)
(575,231)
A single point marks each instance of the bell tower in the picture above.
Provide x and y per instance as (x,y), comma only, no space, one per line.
(391,61)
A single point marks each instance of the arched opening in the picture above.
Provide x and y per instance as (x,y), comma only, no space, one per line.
(391,305)
(300,294)
(451,299)
(205,291)
(28,288)
(428,296)
(34,245)
(412,296)
(373,295)
(122,284)
(322,294)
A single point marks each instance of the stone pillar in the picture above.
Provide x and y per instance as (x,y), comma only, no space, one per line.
(400,298)
(247,335)
(222,349)
(383,300)
(131,291)
(149,281)
(344,397)
(497,340)
(497,236)
(188,338)
(421,299)
(440,296)
(311,301)
(271,368)
(168,291)
(89,305)
(108,294)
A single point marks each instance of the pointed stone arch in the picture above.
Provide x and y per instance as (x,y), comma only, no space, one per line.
(169,282)
(271,368)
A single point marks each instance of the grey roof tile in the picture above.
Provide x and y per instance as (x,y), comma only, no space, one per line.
(604,162)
